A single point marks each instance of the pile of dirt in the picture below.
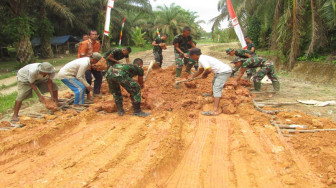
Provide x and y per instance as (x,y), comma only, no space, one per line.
(5,124)
(50,104)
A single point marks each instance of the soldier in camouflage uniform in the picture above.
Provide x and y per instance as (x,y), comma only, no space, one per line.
(251,47)
(266,68)
(242,54)
(182,44)
(114,55)
(121,74)
(159,44)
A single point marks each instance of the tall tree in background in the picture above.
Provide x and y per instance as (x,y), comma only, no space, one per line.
(20,28)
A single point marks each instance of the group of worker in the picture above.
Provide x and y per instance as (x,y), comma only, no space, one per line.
(77,74)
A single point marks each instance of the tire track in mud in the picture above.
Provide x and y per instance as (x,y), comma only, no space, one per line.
(205,163)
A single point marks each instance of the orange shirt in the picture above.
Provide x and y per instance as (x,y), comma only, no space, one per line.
(87,47)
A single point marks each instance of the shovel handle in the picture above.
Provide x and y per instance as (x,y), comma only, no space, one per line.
(188,80)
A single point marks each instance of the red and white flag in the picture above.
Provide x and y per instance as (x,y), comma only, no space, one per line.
(110,4)
(236,25)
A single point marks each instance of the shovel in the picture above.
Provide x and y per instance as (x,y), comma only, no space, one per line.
(149,68)
(177,84)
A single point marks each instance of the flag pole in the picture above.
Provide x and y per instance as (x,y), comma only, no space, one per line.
(122,27)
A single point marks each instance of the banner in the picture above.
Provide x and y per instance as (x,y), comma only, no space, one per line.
(122,27)
(110,4)
(236,25)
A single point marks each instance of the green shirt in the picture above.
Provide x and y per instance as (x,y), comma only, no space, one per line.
(183,43)
(254,62)
(158,48)
(250,46)
(120,70)
(117,55)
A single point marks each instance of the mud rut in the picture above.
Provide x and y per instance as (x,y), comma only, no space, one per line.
(175,147)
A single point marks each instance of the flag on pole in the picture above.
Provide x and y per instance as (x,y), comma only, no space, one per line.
(158,33)
(122,27)
(236,25)
(110,4)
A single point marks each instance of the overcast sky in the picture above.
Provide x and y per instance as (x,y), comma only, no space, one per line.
(206,10)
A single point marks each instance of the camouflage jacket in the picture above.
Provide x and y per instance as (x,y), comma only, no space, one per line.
(120,70)
(250,46)
(241,52)
(254,62)
(117,54)
(183,43)
(158,48)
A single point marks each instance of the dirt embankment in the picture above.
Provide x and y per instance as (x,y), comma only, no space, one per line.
(173,147)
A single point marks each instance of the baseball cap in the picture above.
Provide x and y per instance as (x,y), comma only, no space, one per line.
(196,51)
(46,67)
(96,55)
(229,50)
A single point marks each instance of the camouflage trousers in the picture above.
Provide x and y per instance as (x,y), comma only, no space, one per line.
(158,57)
(131,86)
(251,72)
(180,60)
(267,69)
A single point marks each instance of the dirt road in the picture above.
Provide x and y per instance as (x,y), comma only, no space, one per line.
(173,147)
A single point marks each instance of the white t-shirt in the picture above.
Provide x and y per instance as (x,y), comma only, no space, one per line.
(216,65)
(30,73)
(75,69)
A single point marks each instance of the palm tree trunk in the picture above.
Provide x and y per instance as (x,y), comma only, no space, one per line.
(45,34)
(106,43)
(296,36)
(277,14)
(25,54)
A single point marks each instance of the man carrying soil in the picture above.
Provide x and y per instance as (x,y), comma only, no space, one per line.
(86,49)
(222,71)
(31,77)
(182,44)
(122,74)
(242,54)
(114,55)
(159,44)
(266,68)
(72,75)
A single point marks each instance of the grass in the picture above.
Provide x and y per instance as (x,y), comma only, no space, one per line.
(7,86)
(7,101)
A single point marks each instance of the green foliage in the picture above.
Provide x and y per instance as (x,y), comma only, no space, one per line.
(45,28)
(253,29)
(313,57)
(20,26)
(138,37)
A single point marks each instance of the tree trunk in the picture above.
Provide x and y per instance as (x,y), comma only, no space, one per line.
(46,30)
(25,54)
(106,43)
(296,36)
(277,14)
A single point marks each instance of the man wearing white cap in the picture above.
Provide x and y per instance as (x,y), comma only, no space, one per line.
(73,75)
(31,77)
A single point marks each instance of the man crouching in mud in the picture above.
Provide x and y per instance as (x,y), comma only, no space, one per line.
(222,71)
(121,74)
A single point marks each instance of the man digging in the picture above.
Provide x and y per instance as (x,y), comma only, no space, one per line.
(222,72)
(266,68)
(121,75)
(182,44)
(38,77)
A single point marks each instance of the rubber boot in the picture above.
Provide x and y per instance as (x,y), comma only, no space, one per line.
(178,72)
(276,86)
(257,86)
(188,68)
(121,110)
(137,111)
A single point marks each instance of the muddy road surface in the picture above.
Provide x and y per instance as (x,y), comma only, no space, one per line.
(173,147)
